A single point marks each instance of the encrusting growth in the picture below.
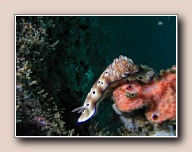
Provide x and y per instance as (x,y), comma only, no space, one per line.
(158,96)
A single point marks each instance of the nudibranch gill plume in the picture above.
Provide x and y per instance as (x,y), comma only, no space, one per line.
(116,73)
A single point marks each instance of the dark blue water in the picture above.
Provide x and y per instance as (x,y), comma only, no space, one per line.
(149,40)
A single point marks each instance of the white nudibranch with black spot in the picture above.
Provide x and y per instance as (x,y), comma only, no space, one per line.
(115,73)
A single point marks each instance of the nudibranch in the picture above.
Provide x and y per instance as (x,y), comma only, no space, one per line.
(145,75)
(116,73)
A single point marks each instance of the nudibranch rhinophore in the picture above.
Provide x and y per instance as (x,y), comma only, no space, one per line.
(116,73)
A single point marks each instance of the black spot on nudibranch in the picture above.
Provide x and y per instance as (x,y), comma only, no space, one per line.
(106,72)
(87,104)
(101,82)
(140,78)
(93,92)
(98,81)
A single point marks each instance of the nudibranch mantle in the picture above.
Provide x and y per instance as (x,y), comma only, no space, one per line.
(114,74)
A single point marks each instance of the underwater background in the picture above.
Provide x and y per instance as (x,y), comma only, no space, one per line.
(59,58)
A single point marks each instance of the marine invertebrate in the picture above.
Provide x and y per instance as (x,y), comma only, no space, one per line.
(163,133)
(163,106)
(145,74)
(39,121)
(159,96)
(121,68)
(129,96)
(33,116)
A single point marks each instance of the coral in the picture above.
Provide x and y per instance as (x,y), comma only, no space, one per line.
(163,105)
(129,97)
(39,121)
(163,133)
(34,116)
(130,124)
(94,130)
(135,123)
(52,69)
(158,96)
